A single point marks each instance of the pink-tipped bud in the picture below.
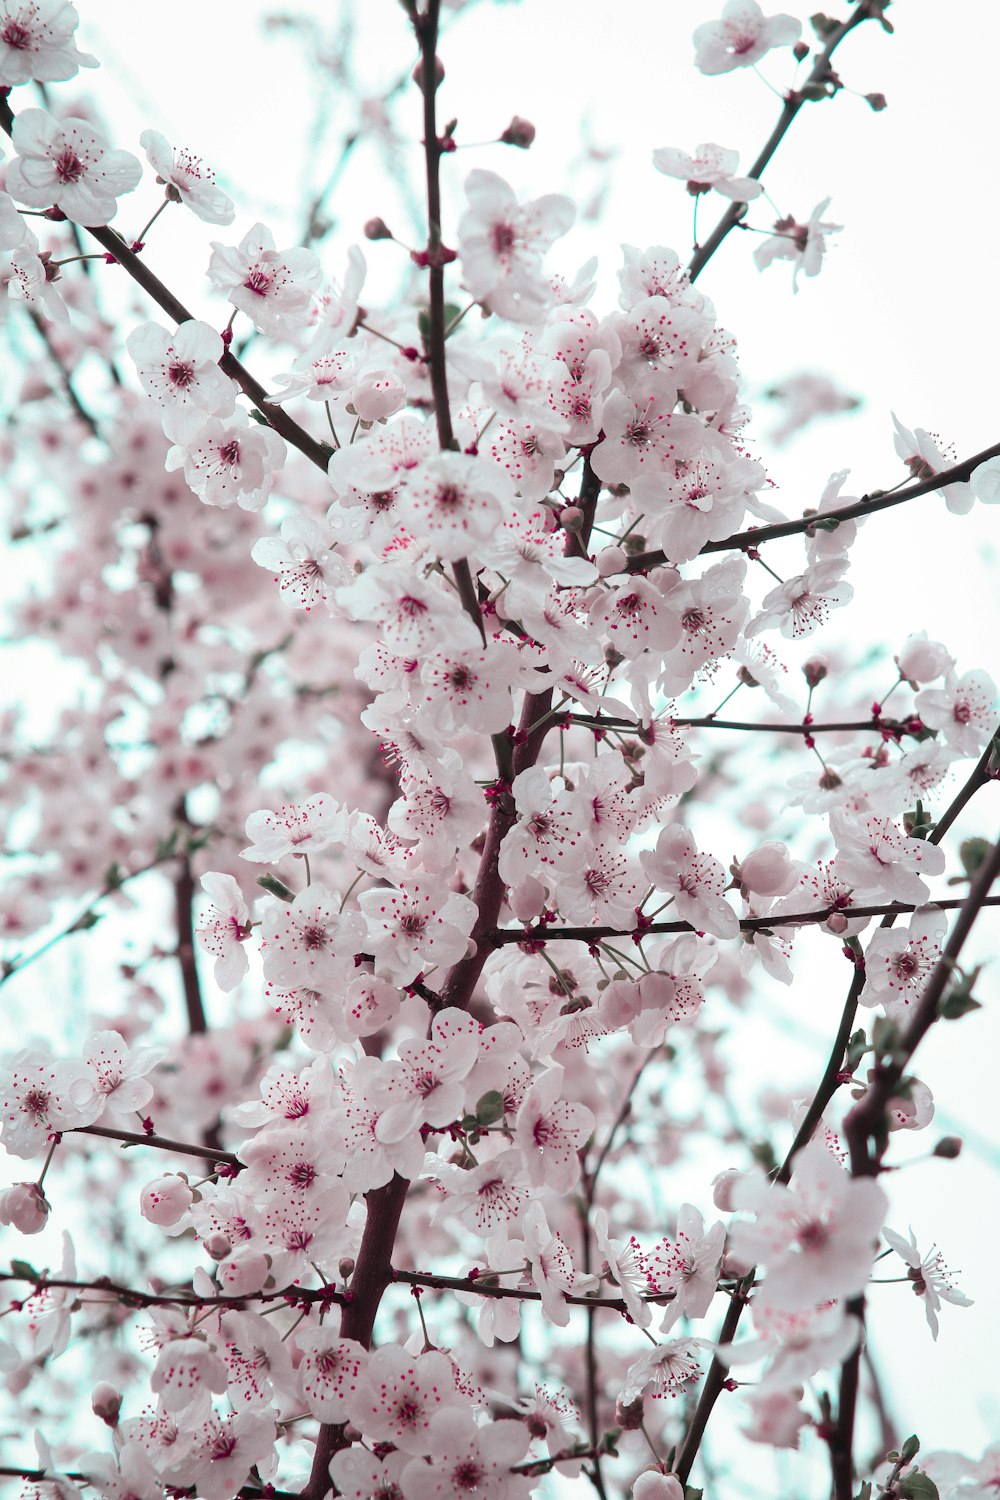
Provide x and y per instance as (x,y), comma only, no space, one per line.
(814,671)
(519,133)
(377,229)
(571,518)
(922,660)
(217,1246)
(610,561)
(655,1485)
(379,393)
(722,1188)
(165,1199)
(25,1207)
(106,1403)
(768,871)
(836,923)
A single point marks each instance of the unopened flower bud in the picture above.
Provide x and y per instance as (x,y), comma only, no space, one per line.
(922,660)
(217,1246)
(722,1189)
(346,1268)
(814,671)
(800,51)
(768,871)
(610,560)
(571,518)
(379,393)
(106,1403)
(877,102)
(165,1199)
(629,1415)
(655,1485)
(949,1146)
(518,133)
(25,1207)
(836,923)
(377,229)
(418,73)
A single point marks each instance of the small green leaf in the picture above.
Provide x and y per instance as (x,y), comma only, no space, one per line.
(917,1486)
(957,1003)
(972,852)
(910,1448)
(489,1108)
(24,1270)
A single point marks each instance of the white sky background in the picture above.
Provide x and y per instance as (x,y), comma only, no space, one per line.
(904,314)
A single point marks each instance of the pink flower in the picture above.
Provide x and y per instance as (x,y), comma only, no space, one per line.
(399,1393)
(696,881)
(963,710)
(187,179)
(418,926)
(182,369)
(930,1276)
(804,244)
(166,1199)
(550,1133)
(273,287)
(469,1459)
(688,1266)
(711,166)
(186,1370)
(501,243)
(741,37)
(68,164)
(877,859)
(224,929)
(816,1236)
(40,1095)
(665,1370)
(899,961)
(36,42)
(329,1372)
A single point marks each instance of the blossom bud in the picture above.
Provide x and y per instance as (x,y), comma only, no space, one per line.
(106,1403)
(800,51)
(922,660)
(379,393)
(527,899)
(217,1246)
(814,671)
(518,133)
(571,518)
(165,1199)
(836,923)
(609,561)
(345,1268)
(877,102)
(654,1485)
(377,229)
(722,1188)
(949,1146)
(768,870)
(418,73)
(629,1414)
(24,1206)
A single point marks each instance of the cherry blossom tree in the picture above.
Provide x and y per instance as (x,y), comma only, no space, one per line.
(390,1148)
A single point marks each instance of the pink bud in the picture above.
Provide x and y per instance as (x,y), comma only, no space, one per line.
(722,1188)
(768,870)
(377,394)
(377,229)
(611,560)
(418,73)
(814,671)
(519,133)
(571,518)
(245,1271)
(24,1206)
(836,923)
(654,1485)
(217,1246)
(165,1199)
(527,899)
(922,660)
(106,1403)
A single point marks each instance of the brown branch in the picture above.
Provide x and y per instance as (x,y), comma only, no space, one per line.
(160,1143)
(131,1297)
(743,541)
(747,924)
